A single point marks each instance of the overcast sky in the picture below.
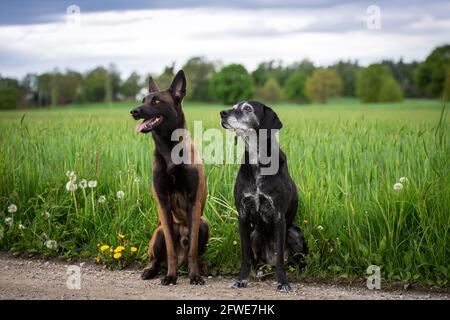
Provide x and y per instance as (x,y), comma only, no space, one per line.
(37,36)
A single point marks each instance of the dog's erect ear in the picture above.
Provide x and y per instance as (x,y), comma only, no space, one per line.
(152,86)
(178,86)
(270,119)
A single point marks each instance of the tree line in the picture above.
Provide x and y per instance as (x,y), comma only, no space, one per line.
(272,81)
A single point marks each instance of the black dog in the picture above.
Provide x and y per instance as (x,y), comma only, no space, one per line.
(179,189)
(267,203)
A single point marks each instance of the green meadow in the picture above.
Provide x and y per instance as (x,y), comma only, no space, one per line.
(345,158)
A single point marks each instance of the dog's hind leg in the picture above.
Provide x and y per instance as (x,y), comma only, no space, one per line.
(203,237)
(297,245)
(157,254)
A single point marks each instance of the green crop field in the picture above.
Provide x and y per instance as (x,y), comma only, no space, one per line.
(344,157)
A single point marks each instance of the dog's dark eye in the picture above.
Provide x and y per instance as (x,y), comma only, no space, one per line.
(155,101)
(247,109)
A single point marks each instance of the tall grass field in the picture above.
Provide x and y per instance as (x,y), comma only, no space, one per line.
(344,157)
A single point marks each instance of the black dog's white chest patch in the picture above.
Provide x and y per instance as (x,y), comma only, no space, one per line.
(256,201)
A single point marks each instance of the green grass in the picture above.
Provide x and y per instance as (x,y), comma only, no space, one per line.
(344,157)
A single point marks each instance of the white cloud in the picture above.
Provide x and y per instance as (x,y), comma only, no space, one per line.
(147,40)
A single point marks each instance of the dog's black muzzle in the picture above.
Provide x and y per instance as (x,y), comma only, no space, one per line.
(137,113)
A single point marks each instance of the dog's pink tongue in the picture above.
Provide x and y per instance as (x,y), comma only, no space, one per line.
(140,126)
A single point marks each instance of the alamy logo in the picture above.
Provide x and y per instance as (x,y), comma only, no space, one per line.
(211,144)
(374,278)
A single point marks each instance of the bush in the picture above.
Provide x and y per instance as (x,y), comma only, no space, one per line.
(376,84)
(270,92)
(323,84)
(390,91)
(10,93)
(232,84)
(294,89)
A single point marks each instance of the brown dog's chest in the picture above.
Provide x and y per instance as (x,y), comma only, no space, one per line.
(179,208)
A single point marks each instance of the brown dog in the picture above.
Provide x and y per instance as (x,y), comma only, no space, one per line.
(179,188)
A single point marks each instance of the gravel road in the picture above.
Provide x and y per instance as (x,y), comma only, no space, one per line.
(35,278)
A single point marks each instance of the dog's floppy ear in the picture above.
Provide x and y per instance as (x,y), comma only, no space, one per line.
(178,86)
(152,86)
(270,119)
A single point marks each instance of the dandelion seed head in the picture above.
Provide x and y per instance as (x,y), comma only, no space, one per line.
(92,183)
(398,186)
(12,208)
(403,179)
(235,242)
(51,244)
(102,199)
(71,186)
(83,184)
(319,227)
(9,221)
(120,194)
(22,227)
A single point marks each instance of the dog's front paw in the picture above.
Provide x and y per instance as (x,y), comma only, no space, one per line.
(239,284)
(197,280)
(149,273)
(284,287)
(169,280)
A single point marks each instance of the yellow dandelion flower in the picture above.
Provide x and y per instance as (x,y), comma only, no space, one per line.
(110,250)
(119,249)
(117,255)
(104,247)
(133,249)
(305,221)
(120,236)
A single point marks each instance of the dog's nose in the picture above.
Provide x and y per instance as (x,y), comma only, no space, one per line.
(224,113)
(135,112)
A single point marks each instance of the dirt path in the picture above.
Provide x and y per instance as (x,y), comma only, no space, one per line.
(22,278)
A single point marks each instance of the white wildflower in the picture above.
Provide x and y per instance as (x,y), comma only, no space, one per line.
(22,227)
(398,186)
(92,183)
(137,179)
(235,242)
(403,179)
(120,194)
(47,214)
(71,175)
(102,199)
(319,227)
(51,244)
(83,184)
(12,208)
(71,186)
(9,221)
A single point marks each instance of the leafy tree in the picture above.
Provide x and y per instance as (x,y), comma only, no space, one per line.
(10,93)
(95,85)
(446,91)
(404,74)
(274,69)
(390,91)
(348,72)
(323,84)
(198,73)
(372,80)
(294,88)
(232,84)
(430,74)
(131,86)
(270,92)
(165,78)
